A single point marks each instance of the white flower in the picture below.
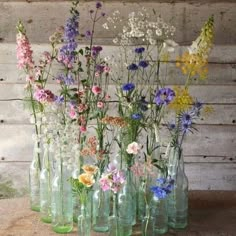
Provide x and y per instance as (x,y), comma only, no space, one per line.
(133,148)
(169,45)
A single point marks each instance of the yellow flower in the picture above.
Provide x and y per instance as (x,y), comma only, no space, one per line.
(90,169)
(86,179)
(182,100)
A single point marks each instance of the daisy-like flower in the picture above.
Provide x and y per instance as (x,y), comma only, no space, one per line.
(164,96)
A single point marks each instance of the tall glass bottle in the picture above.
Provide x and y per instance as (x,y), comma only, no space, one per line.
(34,178)
(101,209)
(127,206)
(84,219)
(46,186)
(62,206)
(178,198)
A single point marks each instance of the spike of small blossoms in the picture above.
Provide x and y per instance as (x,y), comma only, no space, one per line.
(23,49)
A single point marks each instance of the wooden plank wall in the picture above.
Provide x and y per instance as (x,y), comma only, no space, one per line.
(210,154)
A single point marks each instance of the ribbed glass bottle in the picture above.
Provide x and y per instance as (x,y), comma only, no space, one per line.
(46,187)
(178,199)
(34,178)
(114,218)
(62,206)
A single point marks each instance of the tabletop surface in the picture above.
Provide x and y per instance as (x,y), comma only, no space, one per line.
(211,213)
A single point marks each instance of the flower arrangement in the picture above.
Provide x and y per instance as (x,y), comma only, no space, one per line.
(81,124)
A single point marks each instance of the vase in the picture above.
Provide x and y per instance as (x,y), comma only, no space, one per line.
(101,209)
(178,198)
(84,219)
(62,206)
(114,218)
(127,205)
(34,178)
(46,187)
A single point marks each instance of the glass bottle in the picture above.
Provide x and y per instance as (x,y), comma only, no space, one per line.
(178,198)
(84,219)
(46,187)
(101,209)
(34,178)
(62,206)
(114,219)
(127,206)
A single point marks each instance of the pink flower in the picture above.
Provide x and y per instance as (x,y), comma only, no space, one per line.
(44,96)
(82,108)
(100,104)
(138,169)
(107,97)
(105,183)
(96,90)
(133,148)
(29,78)
(24,52)
(97,74)
(72,113)
(83,129)
(107,69)
(46,57)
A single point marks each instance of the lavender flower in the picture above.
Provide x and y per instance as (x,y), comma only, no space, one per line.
(143,64)
(132,67)
(164,96)
(59,99)
(67,80)
(128,87)
(139,50)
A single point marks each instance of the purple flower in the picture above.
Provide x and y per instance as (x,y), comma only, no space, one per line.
(98,5)
(100,68)
(128,87)
(139,50)
(59,99)
(96,50)
(171,126)
(67,80)
(88,34)
(136,116)
(164,96)
(143,64)
(111,168)
(103,14)
(132,66)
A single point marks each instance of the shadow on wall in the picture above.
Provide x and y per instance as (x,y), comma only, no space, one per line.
(7,189)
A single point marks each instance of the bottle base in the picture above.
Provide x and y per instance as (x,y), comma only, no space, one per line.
(35,208)
(46,219)
(62,229)
(177,225)
(101,228)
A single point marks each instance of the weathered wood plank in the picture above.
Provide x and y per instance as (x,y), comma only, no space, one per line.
(201,176)
(219,74)
(211,141)
(220,54)
(207,93)
(187,17)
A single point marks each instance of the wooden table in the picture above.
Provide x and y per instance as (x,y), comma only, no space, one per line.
(212,213)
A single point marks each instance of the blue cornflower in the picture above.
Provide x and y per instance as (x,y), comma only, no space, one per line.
(136,116)
(139,50)
(159,192)
(132,66)
(128,87)
(143,64)
(164,96)
(171,126)
(161,181)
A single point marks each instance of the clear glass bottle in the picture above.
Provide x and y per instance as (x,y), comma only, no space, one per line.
(62,206)
(101,209)
(127,205)
(178,198)
(34,178)
(46,187)
(84,219)
(114,219)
